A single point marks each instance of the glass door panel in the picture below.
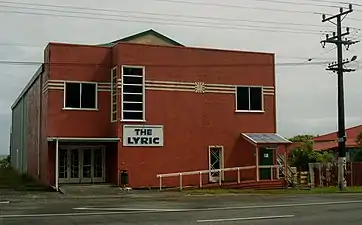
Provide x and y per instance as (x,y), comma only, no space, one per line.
(63,165)
(98,164)
(74,165)
(87,165)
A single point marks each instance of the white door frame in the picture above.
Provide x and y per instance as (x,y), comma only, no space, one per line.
(221,162)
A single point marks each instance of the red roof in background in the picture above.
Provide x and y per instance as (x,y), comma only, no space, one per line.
(351,133)
(326,145)
(329,141)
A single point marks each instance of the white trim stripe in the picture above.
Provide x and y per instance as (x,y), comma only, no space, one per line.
(162,86)
(170,89)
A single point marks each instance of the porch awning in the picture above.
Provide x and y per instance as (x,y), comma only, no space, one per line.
(83,139)
(265,138)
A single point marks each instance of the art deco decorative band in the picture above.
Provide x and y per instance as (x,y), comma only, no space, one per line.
(197,87)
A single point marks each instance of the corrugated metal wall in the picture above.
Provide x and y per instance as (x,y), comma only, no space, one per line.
(19,136)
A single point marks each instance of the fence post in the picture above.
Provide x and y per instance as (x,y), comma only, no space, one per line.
(160,182)
(351,168)
(238,175)
(320,175)
(180,181)
(200,179)
(219,176)
(277,168)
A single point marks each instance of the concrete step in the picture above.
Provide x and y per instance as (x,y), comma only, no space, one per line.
(90,189)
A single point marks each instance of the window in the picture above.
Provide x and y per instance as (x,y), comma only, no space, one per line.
(133,91)
(80,95)
(114,94)
(249,99)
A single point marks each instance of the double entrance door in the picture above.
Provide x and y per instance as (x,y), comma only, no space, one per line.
(81,164)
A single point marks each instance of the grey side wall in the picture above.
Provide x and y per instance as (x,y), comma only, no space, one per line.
(19,135)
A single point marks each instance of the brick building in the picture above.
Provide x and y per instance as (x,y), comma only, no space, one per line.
(146,105)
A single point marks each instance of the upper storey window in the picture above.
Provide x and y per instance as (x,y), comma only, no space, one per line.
(249,99)
(80,95)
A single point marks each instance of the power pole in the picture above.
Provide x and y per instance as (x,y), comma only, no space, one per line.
(340,69)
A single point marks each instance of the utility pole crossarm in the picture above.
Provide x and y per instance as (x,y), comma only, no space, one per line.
(350,10)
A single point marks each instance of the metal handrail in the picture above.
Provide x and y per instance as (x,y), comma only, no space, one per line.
(201,172)
(205,171)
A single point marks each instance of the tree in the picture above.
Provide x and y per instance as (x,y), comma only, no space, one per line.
(304,154)
(323,157)
(5,163)
(359,140)
(302,138)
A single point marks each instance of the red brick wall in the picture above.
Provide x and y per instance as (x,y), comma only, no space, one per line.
(194,121)
(191,121)
(79,63)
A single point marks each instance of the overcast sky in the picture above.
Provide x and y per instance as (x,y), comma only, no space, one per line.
(306,94)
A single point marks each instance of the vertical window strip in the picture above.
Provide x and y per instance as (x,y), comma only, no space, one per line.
(114,94)
(130,90)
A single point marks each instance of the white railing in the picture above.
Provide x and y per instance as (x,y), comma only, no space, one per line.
(201,172)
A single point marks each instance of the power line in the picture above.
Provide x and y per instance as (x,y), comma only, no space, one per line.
(187,21)
(309,59)
(27,63)
(245,7)
(334,2)
(161,14)
(280,57)
(296,3)
(238,6)
(232,27)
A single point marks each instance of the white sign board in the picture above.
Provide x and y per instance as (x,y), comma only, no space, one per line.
(143,135)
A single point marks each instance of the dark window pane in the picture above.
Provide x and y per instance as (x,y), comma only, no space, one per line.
(114,107)
(132,98)
(132,80)
(72,95)
(132,89)
(242,98)
(133,106)
(133,115)
(256,98)
(88,96)
(132,71)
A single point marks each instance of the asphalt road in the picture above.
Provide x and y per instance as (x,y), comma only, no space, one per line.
(269,210)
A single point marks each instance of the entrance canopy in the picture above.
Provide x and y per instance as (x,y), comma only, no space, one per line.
(80,139)
(265,138)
